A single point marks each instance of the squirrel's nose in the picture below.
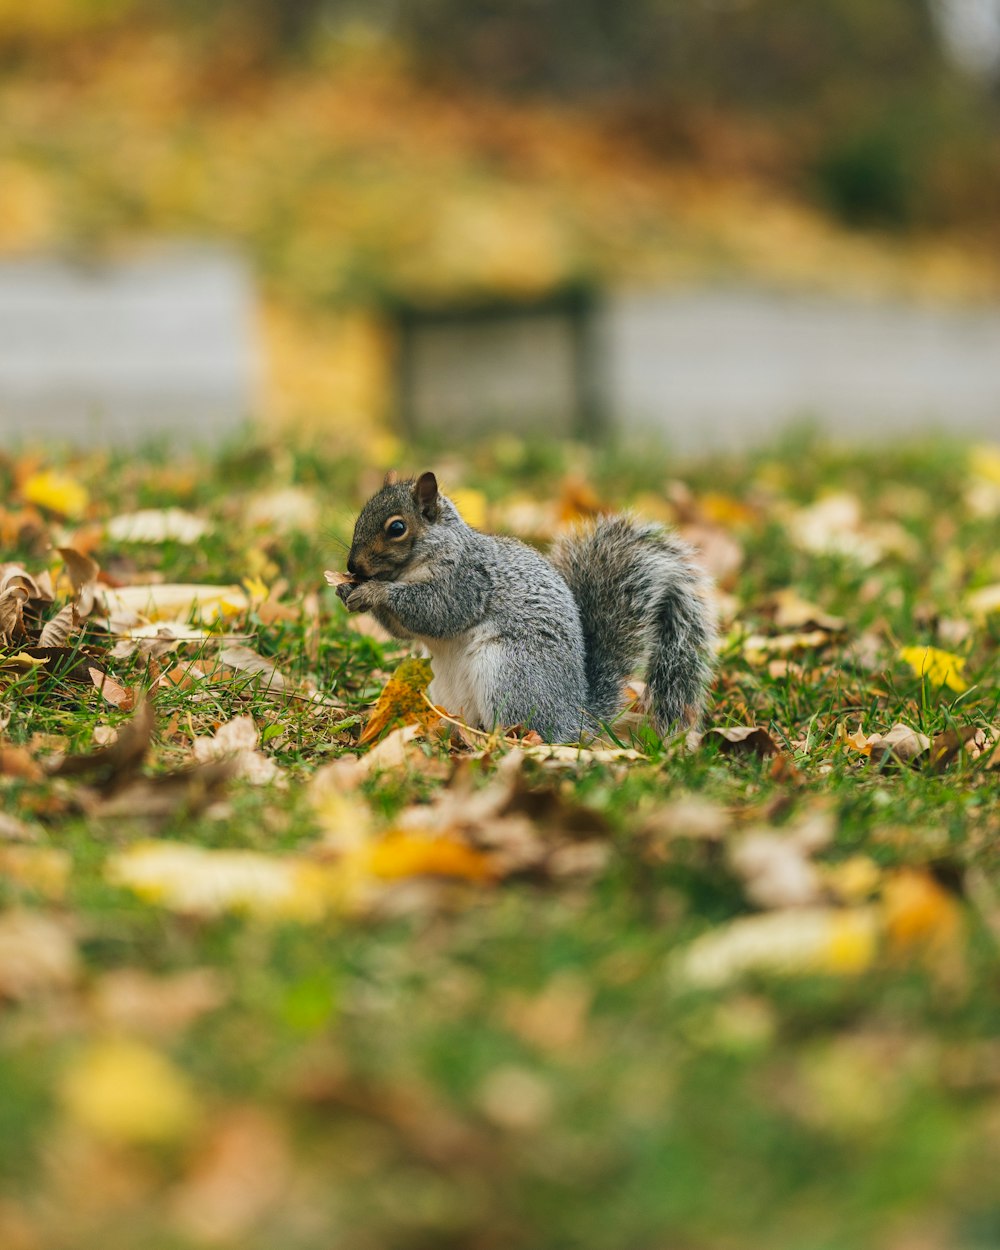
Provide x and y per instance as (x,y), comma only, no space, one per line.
(355,567)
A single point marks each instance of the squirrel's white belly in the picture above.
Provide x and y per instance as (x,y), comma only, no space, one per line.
(464,675)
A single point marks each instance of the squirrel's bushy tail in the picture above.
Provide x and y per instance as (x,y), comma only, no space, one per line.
(641,598)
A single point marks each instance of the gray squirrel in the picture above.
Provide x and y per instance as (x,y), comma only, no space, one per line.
(516,638)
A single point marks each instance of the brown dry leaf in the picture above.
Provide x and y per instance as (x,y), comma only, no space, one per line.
(82,569)
(135,1001)
(238,1176)
(554,1019)
(521,830)
(14,830)
(687,816)
(155,800)
(42,869)
(58,630)
(402,699)
(948,746)
(333,578)
(18,762)
(391,752)
(759,648)
(36,953)
(237,741)
(792,613)
(114,764)
(901,744)
(775,869)
(111,691)
(12,600)
(245,660)
(744,740)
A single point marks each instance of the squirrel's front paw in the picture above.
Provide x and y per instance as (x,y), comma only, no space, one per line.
(364,597)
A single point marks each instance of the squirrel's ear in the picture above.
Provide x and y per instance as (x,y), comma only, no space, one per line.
(426,494)
(391,478)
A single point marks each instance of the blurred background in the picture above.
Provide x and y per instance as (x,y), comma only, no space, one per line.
(697,219)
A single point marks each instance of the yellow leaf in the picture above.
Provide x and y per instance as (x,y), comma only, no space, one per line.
(409,855)
(471,504)
(919,912)
(984,461)
(939,667)
(126,1091)
(402,699)
(56,491)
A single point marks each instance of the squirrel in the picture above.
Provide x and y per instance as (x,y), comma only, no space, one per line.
(518,639)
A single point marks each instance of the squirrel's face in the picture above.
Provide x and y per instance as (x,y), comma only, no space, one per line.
(390,526)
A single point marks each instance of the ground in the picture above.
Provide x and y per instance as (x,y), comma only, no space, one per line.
(276,970)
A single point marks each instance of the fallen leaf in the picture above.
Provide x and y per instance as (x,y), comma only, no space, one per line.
(19,762)
(36,953)
(402,699)
(391,751)
(58,492)
(12,601)
(170,601)
(240,1172)
(135,1001)
(984,602)
(758,648)
(950,744)
(43,869)
(111,691)
(124,1091)
(901,744)
(775,869)
(515,1099)
(154,800)
(744,740)
(57,631)
(400,854)
(116,763)
(791,612)
(157,525)
(197,881)
(82,569)
(333,578)
(801,941)
(941,668)
(14,830)
(268,678)
(237,740)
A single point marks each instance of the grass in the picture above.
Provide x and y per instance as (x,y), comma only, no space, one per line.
(448,1064)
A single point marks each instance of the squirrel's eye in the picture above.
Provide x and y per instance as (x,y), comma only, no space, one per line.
(396,529)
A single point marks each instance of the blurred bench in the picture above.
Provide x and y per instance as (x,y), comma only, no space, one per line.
(156,347)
